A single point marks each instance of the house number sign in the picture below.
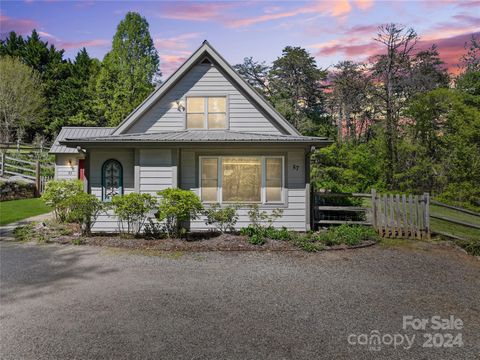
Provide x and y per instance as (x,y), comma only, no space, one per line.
(296,167)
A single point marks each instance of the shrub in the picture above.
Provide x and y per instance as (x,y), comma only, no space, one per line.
(78,241)
(223,219)
(258,218)
(132,209)
(307,242)
(176,207)
(256,239)
(257,235)
(346,234)
(84,210)
(23,233)
(279,234)
(153,230)
(57,195)
(470,246)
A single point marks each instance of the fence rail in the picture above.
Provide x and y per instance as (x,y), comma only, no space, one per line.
(27,170)
(392,215)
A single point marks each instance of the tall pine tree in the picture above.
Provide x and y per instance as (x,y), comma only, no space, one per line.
(128,70)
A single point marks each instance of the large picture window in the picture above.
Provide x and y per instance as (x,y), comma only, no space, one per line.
(241,179)
(112,179)
(206,112)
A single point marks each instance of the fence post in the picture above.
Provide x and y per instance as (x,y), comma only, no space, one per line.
(2,162)
(374,209)
(37,177)
(426,213)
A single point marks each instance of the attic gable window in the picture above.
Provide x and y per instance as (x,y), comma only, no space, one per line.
(206,112)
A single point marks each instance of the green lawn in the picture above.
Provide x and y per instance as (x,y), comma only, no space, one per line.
(447,227)
(14,210)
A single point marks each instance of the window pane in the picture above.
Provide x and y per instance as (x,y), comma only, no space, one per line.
(216,104)
(216,121)
(274,190)
(209,183)
(273,179)
(242,179)
(195,121)
(195,105)
(274,168)
(209,190)
(209,169)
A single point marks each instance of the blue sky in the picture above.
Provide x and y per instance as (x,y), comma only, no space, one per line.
(330,30)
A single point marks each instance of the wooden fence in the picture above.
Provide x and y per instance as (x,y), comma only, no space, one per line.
(392,215)
(27,170)
(336,208)
(401,216)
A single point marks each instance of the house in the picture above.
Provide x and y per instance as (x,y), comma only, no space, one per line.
(204,129)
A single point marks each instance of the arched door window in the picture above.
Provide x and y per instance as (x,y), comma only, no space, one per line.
(112,179)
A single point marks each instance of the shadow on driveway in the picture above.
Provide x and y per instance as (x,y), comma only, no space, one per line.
(28,271)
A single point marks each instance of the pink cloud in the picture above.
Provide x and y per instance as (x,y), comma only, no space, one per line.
(84,43)
(175,43)
(194,11)
(450,49)
(339,8)
(363,4)
(170,63)
(20,26)
(469,4)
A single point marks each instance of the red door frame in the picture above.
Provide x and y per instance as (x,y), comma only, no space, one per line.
(81,169)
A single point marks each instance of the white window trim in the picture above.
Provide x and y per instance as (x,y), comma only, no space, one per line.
(205,111)
(263,192)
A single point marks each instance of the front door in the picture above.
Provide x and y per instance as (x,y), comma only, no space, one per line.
(81,169)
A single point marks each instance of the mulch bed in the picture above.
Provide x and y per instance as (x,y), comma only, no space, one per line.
(223,242)
(197,242)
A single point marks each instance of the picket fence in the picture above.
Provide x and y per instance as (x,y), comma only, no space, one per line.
(401,216)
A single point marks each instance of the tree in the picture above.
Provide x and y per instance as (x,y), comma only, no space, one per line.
(128,70)
(427,72)
(256,74)
(469,80)
(446,134)
(351,87)
(295,87)
(21,100)
(53,70)
(390,69)
(77,94)
(471,60)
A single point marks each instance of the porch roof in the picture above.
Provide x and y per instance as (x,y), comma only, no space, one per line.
(76,132)
(197,136)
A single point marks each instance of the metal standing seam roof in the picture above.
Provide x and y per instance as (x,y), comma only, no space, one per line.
(75,132)
(196,136)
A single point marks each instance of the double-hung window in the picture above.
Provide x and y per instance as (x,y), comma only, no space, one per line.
(242,179)
(206,112)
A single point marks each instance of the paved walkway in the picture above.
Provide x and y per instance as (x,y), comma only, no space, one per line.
(6,231)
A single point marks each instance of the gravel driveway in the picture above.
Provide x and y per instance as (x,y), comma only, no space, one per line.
(65,302)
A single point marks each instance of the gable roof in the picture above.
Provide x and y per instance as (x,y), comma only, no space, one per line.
(204,50)
(76,132)
(198,137)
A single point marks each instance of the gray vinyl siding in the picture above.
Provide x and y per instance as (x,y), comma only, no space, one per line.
(156,172)
(204,80)
(108,222)
(63,171)
(294,208)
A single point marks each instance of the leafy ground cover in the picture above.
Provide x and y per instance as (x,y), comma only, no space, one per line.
(271,239)
(15,210)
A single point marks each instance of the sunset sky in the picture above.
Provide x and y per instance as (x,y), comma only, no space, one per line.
(330,30)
